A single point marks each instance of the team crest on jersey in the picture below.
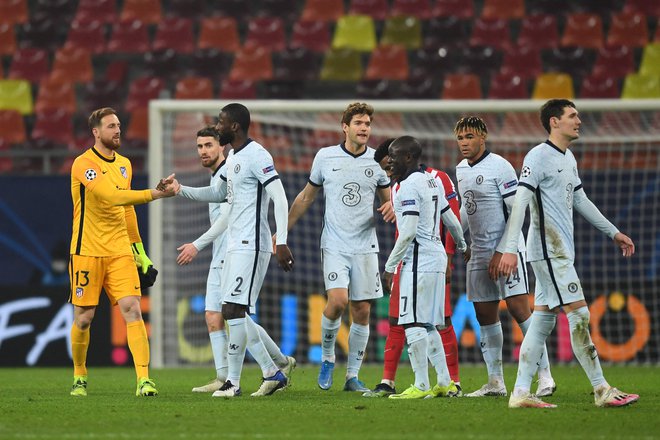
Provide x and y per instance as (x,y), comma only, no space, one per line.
(332,276)
(408,202)
(90,174)
(237,168)
(369,172)
(123,172)
(268,169)
(480,180)
(526,171)
(510,184)
(573,287)
(79,292)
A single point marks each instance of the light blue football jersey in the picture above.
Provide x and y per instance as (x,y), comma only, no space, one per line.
(220,243)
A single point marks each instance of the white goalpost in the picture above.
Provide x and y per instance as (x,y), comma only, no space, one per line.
(618,156)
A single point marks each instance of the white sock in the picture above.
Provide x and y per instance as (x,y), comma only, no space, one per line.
(437,357)
(258,350)
(583,347)
(271,347)
(219,349)
(357,344)
(532,349)
(544,364)
(492,340)
(329,330)
(417,338)
(236,349)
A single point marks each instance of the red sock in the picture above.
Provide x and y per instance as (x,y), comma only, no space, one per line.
(396,339)
(450,344)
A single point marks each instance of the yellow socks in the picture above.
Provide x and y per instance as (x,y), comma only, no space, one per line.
(139,346)
(79,344)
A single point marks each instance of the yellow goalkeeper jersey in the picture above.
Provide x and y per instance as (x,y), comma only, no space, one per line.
(104,221)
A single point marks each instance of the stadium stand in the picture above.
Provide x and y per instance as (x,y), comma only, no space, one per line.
(356,32)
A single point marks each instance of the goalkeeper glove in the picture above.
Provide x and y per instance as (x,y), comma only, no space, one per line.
(142,261)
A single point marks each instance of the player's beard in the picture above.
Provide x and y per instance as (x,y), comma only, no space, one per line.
(111,143)
(226,138)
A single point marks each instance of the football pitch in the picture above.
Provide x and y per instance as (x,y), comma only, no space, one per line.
(35,404)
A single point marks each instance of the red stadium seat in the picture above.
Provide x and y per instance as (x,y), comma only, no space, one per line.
(628,29)
(219,33)
(600,87)
(388,62)
(55,94)
(614,61)
(88,35)
(267,32)
(523,61)
(146,11)
(102,93)
(143,90)
(103,10)
(193,87)
(508,86)
(503,9)
(413,8)
(175,33)
(376,9)
(583,30)
(539,31)
(461,86)
(14,11)
(322,10)
(312,35)
(238,89)
(487,32)
(55,125)
(72,64)
(650,8)
(463,9)
(129,37)
(252,63)
(30,64)
(7,39)
(12,127)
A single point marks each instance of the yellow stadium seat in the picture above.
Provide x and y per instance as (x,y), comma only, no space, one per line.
(341,65)
(16,94)
(403,30)
(638,86)
(355,32)
(553,85)
(650,64)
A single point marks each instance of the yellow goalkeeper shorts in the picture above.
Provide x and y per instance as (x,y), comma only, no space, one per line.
(117,275)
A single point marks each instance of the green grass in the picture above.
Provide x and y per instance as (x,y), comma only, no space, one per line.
(35,404)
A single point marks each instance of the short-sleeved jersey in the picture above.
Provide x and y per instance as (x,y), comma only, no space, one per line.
(247,174)
(99,219)
(220,243)
(483,186)
(553,177)
(349,184)
(421,194)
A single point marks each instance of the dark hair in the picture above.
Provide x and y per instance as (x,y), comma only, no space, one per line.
(409,145)
(238,113)
(209,131)
(554,108)
(472,123)
(382,149)
(94,120)
(357,108)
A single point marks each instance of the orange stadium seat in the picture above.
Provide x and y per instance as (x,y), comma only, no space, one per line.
(491,32)
(628,29)
(388,62)
(238,89)
(12,127)
(103,10)
(414,8)
(614,61)
(267,32)
(312,35)
(356,32)
(88,35)
(73,64)
(553,85)
(147,11)
(219,33)
(7,39)
(252,63)
(341,65)
(55,94)
(376,9)
(539,31)
(583,30)
(406,31)
(445,32)
(129,36)
(503,9)
(16,94)
(523,61)
(599,86)
(322,10)
(508,86)
(138,125)
(461,86)
(54,125)
(30,64)
(14,11)
(143,90)
(463,9)
(175,33)
(193,87)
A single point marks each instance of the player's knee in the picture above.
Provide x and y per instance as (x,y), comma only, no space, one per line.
(130,308)
(214,321)
(360,311)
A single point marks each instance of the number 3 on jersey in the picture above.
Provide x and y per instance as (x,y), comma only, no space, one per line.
(352,196)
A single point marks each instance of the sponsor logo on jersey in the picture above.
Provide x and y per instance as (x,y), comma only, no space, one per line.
(452,195)
(510,184)
(407,202)
(90,174)
(123,172)
(268,169)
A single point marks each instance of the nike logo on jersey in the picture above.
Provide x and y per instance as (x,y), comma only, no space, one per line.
(401,316)
(137,287)
(336,169)
(559,171)
(104,171)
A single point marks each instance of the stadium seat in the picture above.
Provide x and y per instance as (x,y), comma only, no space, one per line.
(175,33)
(14,11)
(576,61)
(54,125)
(312,35)
(650,64)
(614,61)
(374,89)
(388,62)
(286,9)
(523,61)
(138,125)
(146,11)
(239,9)
(193,9)
(297,64)
(12,127)
(59,10)
(219,33)
(432,62)
(72,64)
(356,32)
(650,8)
(266,32)
(480,60)
(210,62)
(640,86)
(30,64)
(599,86)
(461,86)
(88,35)
(420,9)
(628,29)
(322,10)
(238,89)
(55,94)
(539,31)
(102,93)
(583,30)
(44,33)
(445,32)
(508,86)
(7,39)
(117,70)
(162,63)
(253,64)
(491,32)
(402,30)
(193,87)
(462,9)
(419,88)
(16,94)
(129,36)
(143,90)
(103,10)
(553,85)
(503,9)
(341,65)
(376,9)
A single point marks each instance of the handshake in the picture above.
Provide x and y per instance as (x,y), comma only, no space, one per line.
(169,186)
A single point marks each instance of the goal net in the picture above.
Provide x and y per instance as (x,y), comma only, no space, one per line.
(618,157)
